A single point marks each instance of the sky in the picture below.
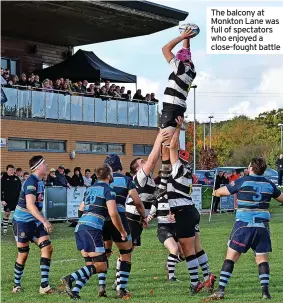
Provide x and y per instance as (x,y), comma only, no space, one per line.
(227,85)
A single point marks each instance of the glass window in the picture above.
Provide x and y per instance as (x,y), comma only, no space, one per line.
(99,148)
(83,147)
(13,67)
(36,145)
(11,64)
(17,144)
(141,150)
(115,148)
(4,63)
(56,146)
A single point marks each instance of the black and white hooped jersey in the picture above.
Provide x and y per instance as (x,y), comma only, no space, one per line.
(179,187)
(180,81)
(161,209)
(145,186)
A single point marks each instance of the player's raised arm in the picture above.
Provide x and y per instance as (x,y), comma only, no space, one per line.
(155,153)
(174,144)
(167,49)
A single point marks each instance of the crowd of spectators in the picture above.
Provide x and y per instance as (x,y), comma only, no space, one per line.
(66,86)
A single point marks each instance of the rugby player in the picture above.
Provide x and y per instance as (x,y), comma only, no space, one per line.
(166,231)
(180,81)
(99,200)
(29,225)
(122,186)
(10,191)
(254,193)
(145,185)
(187,217)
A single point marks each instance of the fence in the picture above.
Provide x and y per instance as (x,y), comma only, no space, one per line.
(58,105)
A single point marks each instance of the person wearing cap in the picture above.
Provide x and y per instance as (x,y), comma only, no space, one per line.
(179,189)
(30,225)
(61,179)
(123,187)
(51,179)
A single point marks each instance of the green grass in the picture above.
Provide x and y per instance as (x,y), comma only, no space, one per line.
(147,281)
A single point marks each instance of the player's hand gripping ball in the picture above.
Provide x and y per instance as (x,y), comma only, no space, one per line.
(191,26)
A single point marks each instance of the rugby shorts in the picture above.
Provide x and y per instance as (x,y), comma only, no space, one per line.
(110,232)
(28,231)
(245,236)
(187,221)
(136,231)
(90,240)
(166,231)
(169,114)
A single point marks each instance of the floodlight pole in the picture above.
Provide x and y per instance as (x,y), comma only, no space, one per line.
(281,131)
(210,117)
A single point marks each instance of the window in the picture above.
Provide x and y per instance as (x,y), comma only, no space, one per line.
(11,64)
(36,145)
(141,149)
(100,148)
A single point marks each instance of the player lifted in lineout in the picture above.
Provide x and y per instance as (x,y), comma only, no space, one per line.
(180,80)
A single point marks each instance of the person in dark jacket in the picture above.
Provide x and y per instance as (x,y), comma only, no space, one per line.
(10,192)
(77,179)
(218,182)
(51,179)
(61,178)
(94,177)
(67,175)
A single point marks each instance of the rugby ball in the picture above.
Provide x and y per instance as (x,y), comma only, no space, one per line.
(194,27)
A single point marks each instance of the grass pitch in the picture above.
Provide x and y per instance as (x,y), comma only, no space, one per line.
(148,278)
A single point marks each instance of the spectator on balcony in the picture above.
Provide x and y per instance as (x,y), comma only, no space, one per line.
(61,178)
(66,89)
(77,179)
(46,86)
(23,80)
(117,92)
(138,95)
(152,97)
(2,71)
(122,91)
(111,92)
(87,178)
(79,87)
(51,178)
(36,83)
(85,84)
(107,85)
(19,173)
(147,97)
(91,90)
(94,177)
(25,177)
(67,175)
(103,91)
(62,81)
(15,80)
(51,84)
(58,85)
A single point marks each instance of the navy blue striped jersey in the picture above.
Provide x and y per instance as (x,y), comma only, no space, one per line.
(121,186)
(29,187)
(254,194)
(95,209)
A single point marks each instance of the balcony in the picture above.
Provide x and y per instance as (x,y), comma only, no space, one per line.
(56,105)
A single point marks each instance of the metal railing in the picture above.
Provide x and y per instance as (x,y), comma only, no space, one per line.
(60,105)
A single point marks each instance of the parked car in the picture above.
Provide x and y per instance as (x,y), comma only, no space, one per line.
(271,175)
(228,169)
(205,177)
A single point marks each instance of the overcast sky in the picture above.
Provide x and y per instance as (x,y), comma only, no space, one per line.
(228,85)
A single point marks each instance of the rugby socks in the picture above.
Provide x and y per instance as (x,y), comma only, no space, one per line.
(180,259)
(102,278)
(226,273)
(165,174)
(80,284)
(124,273)
(44,271)
(172,260)
(192,264)
(118,264)
(203,263)
(5,223)
(263,271)
(18,273)
(85,272)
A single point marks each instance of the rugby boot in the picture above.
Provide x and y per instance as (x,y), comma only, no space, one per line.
(68,284)
(217,295)
(196,288)
(209,284)
(17,289)
(102,291)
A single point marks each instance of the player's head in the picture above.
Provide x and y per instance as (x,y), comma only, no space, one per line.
(105,173)
(114,162)
(184,157)
(281,156)
(184,55)
(136,165)
(257,166)
(38,166)
(10,170)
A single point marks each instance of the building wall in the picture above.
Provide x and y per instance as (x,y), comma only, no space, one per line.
(46,53)
(70,133)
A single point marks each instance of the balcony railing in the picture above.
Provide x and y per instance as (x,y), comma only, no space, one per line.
(57,105)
